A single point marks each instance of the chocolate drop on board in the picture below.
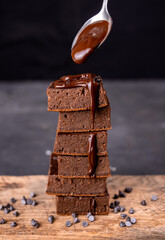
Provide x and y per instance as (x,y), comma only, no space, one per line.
(92,154)
(88,40)
(88,80)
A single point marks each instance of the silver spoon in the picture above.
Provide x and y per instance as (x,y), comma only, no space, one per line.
(103,15)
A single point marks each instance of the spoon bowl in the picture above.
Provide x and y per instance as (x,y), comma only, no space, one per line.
(103,15)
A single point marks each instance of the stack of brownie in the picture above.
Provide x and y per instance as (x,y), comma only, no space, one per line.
(77,176)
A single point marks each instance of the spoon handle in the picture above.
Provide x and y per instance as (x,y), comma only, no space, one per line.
(105,4)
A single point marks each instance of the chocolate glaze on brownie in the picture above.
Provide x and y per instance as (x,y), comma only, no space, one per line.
(88,80)
(75,98)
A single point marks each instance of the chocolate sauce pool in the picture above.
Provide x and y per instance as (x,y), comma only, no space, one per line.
(89,39)
(89,81)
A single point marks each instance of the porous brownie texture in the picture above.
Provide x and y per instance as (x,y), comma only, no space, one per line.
(76,186)
(81,121)
(82,205)
(77,166)
(73,99)
(76,143)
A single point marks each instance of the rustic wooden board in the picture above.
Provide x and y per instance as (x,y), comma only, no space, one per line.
(150,218)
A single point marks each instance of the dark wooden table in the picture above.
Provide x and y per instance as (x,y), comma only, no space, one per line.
(135,143)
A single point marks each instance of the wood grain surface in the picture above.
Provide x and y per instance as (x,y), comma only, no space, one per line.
(150,219)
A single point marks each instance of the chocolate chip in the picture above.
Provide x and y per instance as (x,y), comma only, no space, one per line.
(115,196)
(3,221)
(122,224)
(8,205)
(133,220)
(116,203)
(51,219)
(16,213)
(143,203)
(123,215)
(128,224)
(1,207)
(122,209)
(128,190)
(76,220)
(11,208)
(74,215)
(13,224)
(116,209)
(112,205)
(85,224)
(128,219)
(13,200)
(121,194)
(29,201)
(6,210)
(34,223)
(23,200)
(91,218)
(34,203)
(154,198)
(131,211)
(32,195)
(68,223)
(89,214)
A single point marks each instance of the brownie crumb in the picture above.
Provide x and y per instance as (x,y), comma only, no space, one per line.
(13,224)
(34,223)
(51,219)
(143,203)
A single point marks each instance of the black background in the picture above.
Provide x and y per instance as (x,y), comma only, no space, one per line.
(36,36)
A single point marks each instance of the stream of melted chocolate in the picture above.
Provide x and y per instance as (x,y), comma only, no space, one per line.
(89,39)
(88,80)
(92,154)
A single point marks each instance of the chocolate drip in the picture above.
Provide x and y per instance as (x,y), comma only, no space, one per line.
(92,154)
(89,81)
(89,39)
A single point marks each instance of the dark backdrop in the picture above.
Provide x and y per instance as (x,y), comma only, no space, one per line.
(36,36)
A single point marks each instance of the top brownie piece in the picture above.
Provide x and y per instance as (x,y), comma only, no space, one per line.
(74,98)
